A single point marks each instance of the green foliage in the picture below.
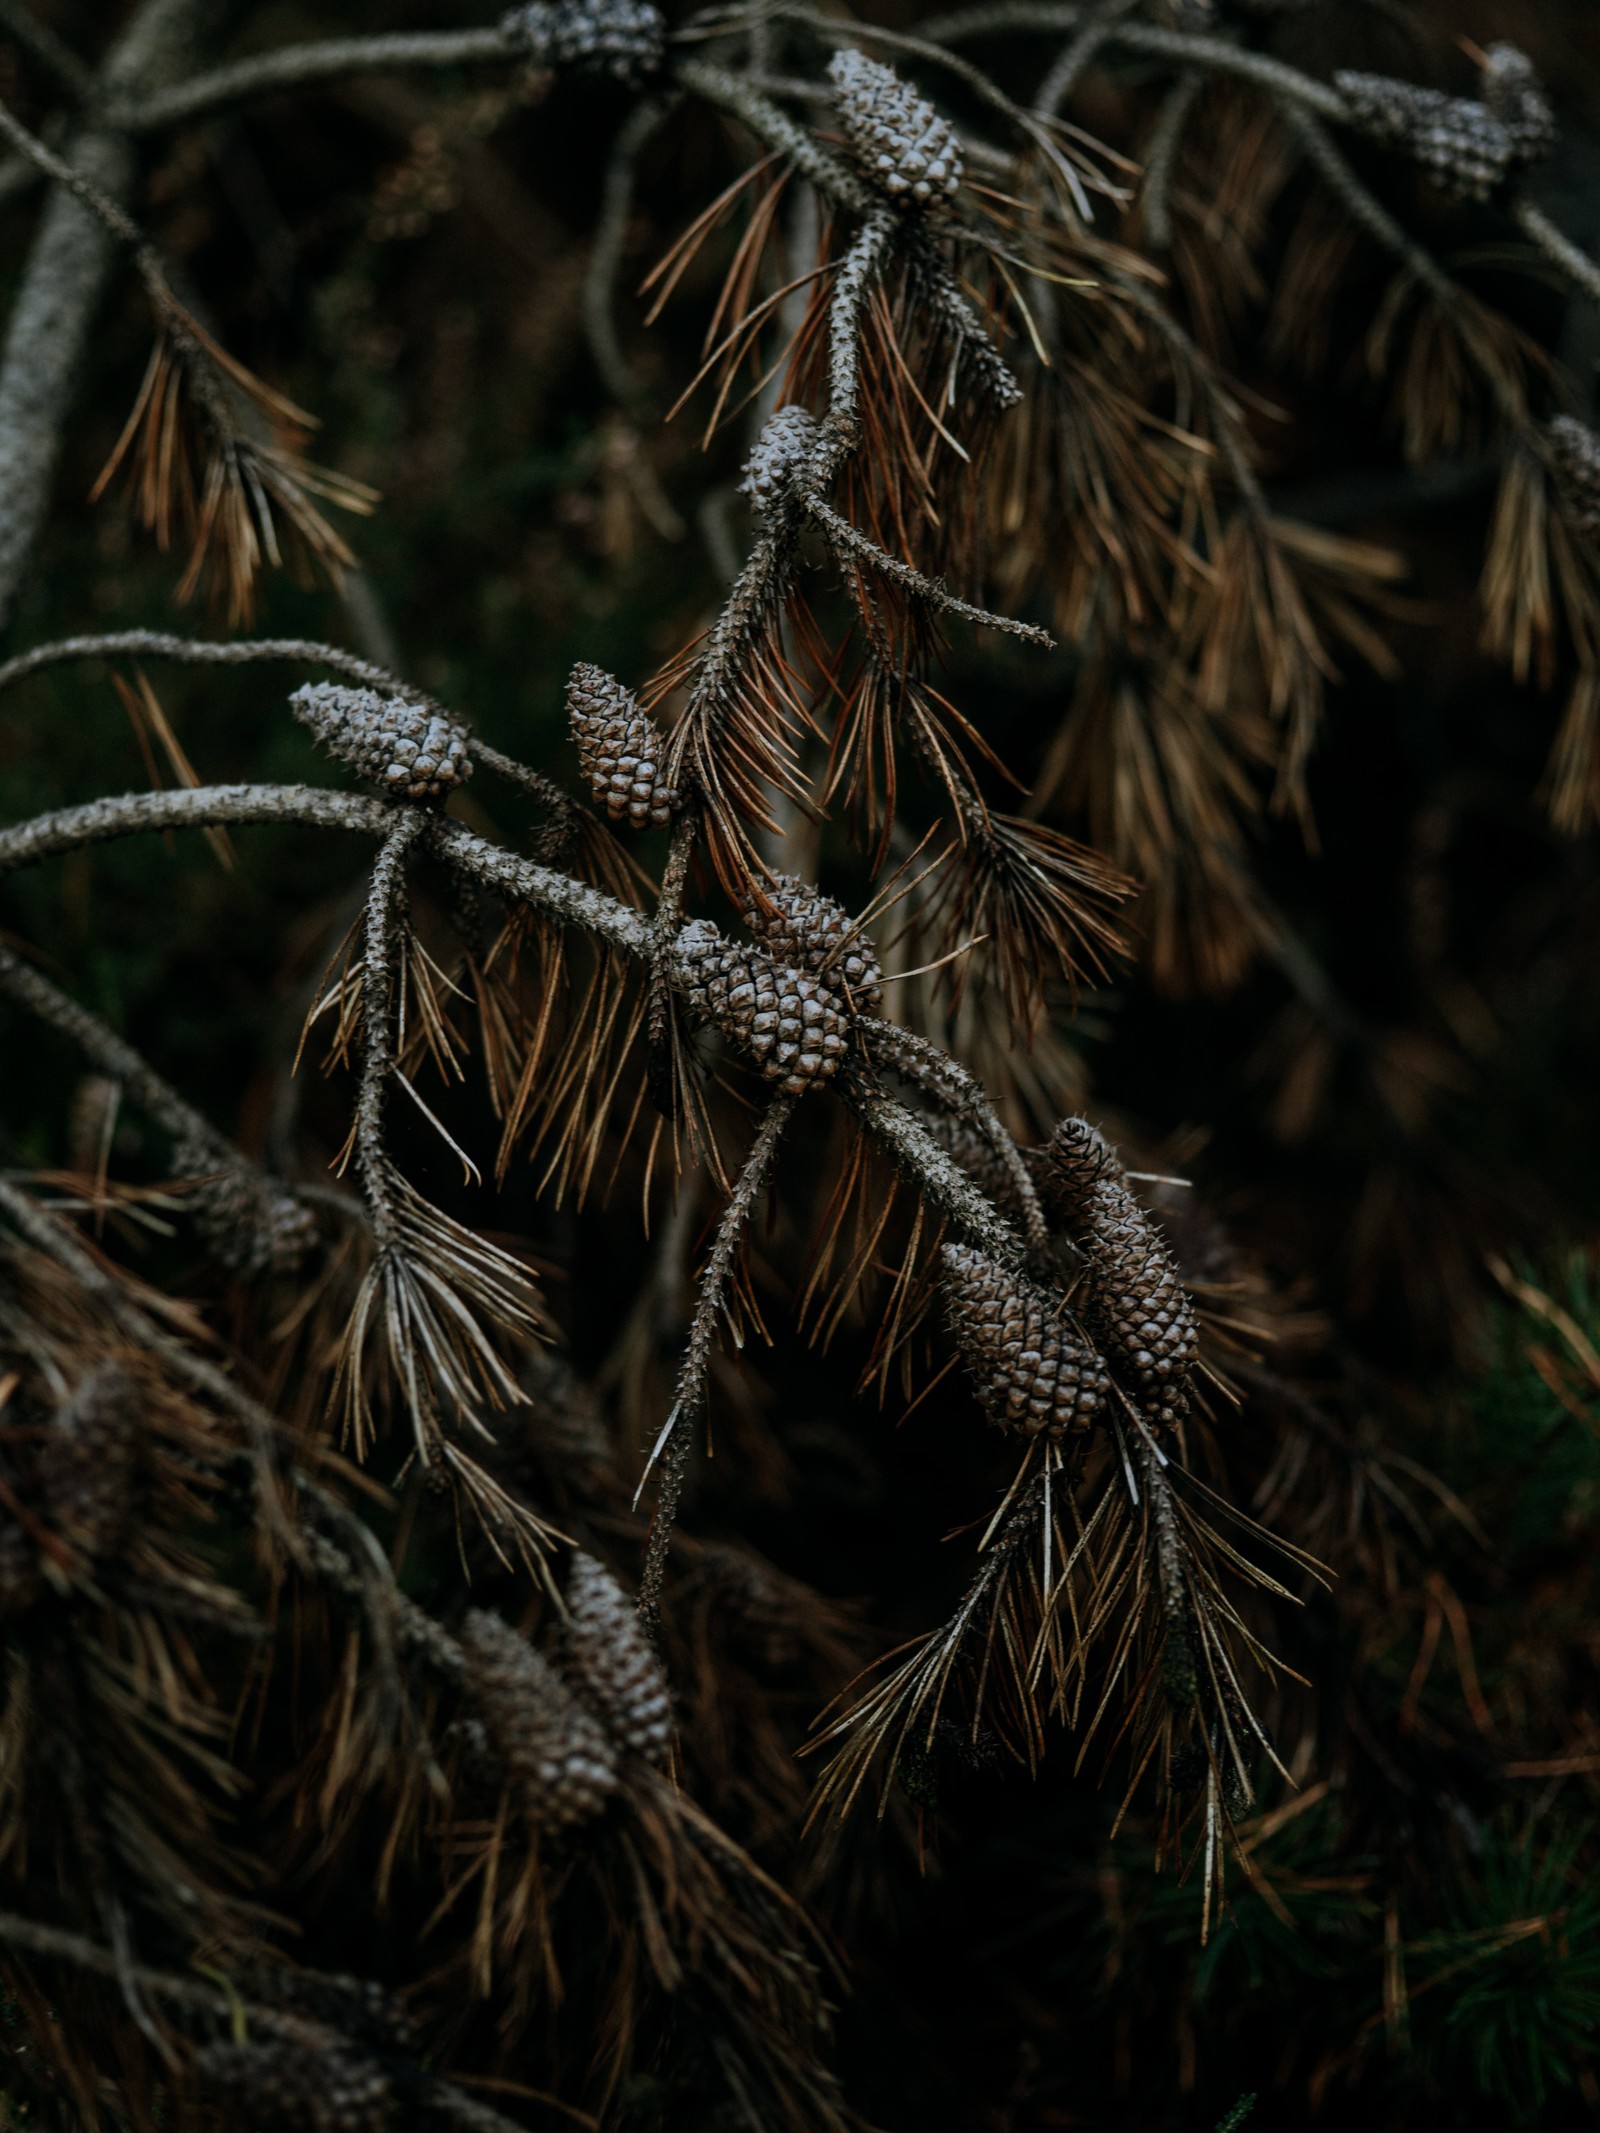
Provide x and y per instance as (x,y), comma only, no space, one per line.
(1506,2001)
(1535,1410)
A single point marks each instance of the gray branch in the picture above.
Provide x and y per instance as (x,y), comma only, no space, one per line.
(943,1183)
(189,1129)
(852,541)
(694,1376)
(194,651)
(18,21)
(1574,264)
(301,64)
(61,286)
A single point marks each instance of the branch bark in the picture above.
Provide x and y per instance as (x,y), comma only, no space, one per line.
(55,304)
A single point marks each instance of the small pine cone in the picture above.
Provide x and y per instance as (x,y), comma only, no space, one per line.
(405,749)
(357,2007)
(785,1018)
(626,39)
(612,1665)
(1575,451)
(784,446)
(752,1607)
(252,1226)
(1514,94)
(1031,1374)
(88,1464)
(898,137)
(1461,145)
(300,2088)
(809,931)
(1136,1304)
(620,749)
(564,1767)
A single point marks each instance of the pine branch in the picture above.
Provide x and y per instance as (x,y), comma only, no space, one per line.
(1570,260)
(192,651)
(53,53)
(301,65)
(60,288)
(270,1223)
(850,540)
(676,1440)
(918,1060)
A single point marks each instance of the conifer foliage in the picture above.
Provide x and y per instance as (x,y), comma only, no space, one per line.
(451,1675)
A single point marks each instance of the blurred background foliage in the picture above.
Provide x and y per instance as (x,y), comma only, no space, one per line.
(1393,1108)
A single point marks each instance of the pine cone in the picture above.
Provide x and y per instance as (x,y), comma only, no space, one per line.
(301,2088)
(785,1018)
(1462,146)
(1514,94)
(784,444)
(1030,1371)
(357,2007)
(562,1763)
(252,1226)
(1575,452)
(612,1664)
(401,747)
(752,1607)
(620,749)
(1135,1304)
(809,931)
(626,39)
(88,1464)
(898,137)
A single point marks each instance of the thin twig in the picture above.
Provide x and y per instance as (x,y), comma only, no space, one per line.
(192,651)
(1161,157)
(53,53)
(297,66)
(1571,260)
(673,1445)
(607,247)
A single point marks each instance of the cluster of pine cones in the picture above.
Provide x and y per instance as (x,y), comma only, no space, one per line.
(562,1735)
(1040,1368)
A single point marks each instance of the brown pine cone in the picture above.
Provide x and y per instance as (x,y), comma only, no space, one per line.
(620,749)
(785,1018)
(551,1747)
(1031,1372)
(809,931)
(899,139)
(407,750)
(300,2088)
(612,1665)
(752,1606)
(252,1226)
(357,2007)
(1134,1302)
(88,1465)
(1462,146)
